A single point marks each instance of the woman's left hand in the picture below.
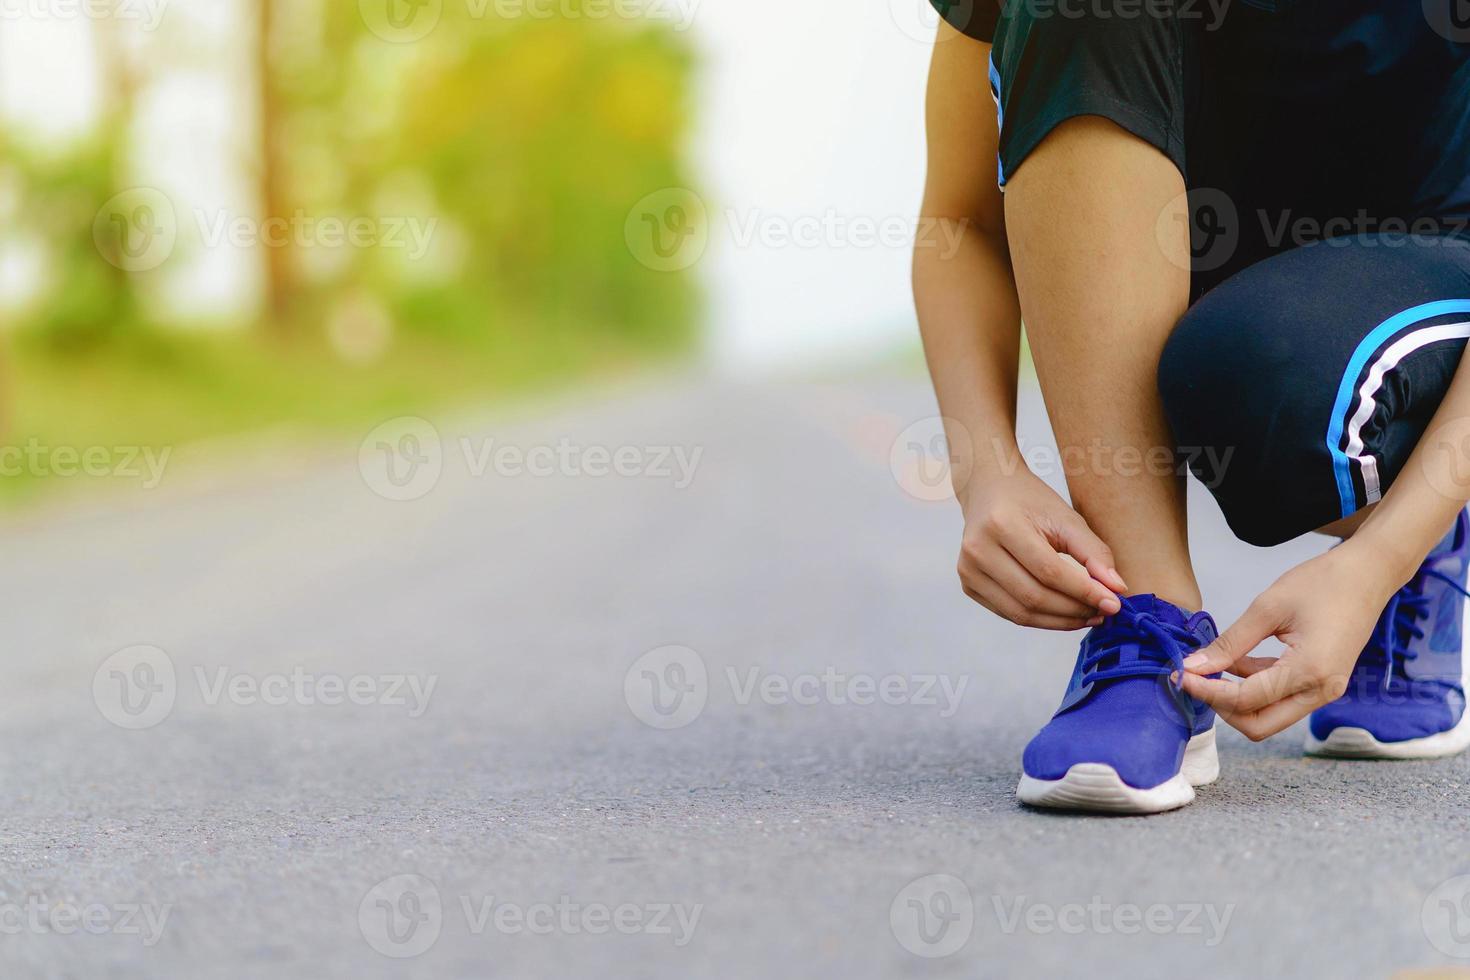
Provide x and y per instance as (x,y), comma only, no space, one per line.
(1324,610)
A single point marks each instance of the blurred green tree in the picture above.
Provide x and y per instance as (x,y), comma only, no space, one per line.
(510,150)
(279,278)
(88,302)
(494,159)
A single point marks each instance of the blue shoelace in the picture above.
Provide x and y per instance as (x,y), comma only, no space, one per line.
(1162,658)
(1399,624)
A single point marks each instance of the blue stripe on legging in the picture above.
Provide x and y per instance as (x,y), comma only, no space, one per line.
(1341,466)
(1000,118)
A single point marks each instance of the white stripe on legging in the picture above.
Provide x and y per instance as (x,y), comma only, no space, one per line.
(1386,362)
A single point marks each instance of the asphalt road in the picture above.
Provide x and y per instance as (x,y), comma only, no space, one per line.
(272,724)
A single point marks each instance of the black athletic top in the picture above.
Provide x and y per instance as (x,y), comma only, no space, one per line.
(977,18)
(1350,114)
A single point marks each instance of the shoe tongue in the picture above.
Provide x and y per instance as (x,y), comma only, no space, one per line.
(1152,605)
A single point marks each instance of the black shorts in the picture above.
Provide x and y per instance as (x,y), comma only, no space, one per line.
(1325,145)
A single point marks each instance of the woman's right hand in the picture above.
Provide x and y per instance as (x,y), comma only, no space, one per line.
(1030,558)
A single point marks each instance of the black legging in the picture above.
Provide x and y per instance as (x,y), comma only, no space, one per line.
(1311,376)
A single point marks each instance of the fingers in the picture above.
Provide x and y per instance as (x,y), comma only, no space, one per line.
(1252,694)
(1273,698)
(1031,594)
(990,595)
(1010,564)
(1057,573)
(1260,725)
(1076,539)
(1249,666)
(1257,623)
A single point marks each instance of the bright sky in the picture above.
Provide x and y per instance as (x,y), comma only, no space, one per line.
(811,118)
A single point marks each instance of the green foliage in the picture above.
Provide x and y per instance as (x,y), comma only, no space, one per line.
(526,141)
(517,146)
(520,144)
(86,302)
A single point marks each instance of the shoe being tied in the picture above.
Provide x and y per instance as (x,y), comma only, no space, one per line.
(1127,739)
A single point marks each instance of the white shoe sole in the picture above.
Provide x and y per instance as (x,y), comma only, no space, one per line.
(1359,743)
(1097,786)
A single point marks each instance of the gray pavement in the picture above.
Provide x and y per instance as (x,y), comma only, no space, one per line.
(176,774)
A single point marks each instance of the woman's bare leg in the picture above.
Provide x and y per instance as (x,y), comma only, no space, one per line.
(1099,238)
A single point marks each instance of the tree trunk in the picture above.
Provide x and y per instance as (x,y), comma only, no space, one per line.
(278,276)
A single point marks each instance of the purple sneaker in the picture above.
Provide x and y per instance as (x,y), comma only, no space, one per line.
(1406,696)
(1127,739)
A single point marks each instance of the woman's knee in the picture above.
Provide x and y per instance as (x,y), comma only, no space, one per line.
(1225,383)
(1196,375)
